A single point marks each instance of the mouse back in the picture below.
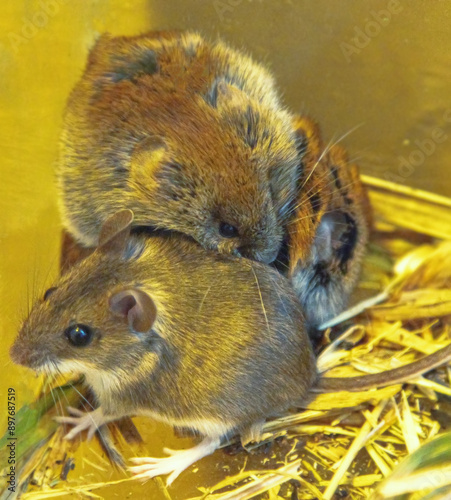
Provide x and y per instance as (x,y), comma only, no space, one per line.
(161,327)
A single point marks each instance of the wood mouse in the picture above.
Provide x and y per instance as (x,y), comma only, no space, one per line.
(161,327)
(188,134)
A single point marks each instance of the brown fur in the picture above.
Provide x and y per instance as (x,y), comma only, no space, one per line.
(329,230)
(189,134)
(215,356)
(232,349)
(185,133)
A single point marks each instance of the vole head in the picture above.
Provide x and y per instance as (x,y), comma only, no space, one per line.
(88,322)
(224,172)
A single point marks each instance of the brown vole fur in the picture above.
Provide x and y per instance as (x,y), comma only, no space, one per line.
(188,134)
(330,227)
(162,328)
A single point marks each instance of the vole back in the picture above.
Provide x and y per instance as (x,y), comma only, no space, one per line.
(190,135)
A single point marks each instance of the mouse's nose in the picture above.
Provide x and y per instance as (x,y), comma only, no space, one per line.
(15,354)
(20,354)
(268,256)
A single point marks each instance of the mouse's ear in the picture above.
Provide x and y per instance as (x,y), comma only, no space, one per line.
(136,307)
(115,231)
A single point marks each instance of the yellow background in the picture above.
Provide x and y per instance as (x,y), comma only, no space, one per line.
(395,89)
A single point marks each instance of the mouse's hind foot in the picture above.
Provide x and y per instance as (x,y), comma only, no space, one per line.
(253,433)
(176,463)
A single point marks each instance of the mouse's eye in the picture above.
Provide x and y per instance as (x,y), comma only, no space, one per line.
(49,292)
(227,230)
(79,335)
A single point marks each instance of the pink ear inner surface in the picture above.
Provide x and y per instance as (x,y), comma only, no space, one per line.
(136,306)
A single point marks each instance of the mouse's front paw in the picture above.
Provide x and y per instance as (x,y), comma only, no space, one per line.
(175,464)
(82,420)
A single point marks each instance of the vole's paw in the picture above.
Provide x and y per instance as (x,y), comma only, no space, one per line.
(82,420)
(175,464)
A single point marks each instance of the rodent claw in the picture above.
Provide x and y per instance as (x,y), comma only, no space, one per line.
(170,451)
(172,477)
(144,460)
(143,477)
(152,467)
(65,420)
(151,470)
(75,411)
(92,430)
(82,421)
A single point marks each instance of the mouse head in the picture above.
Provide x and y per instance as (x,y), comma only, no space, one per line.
(86,323)
(225,173)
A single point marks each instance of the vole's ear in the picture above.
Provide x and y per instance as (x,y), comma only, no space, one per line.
(147,156)
(115,231)
(224,96)
(136,307)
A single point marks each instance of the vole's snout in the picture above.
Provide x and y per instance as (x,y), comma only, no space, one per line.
(266,256)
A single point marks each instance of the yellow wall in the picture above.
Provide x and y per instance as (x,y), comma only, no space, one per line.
(397,87)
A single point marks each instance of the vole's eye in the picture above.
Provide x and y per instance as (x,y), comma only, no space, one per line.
(227,230)
(79,335)
(49,292)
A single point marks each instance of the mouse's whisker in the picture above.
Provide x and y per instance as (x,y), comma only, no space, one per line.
(57,405)
(50,376)
(314,192)
(328,147)
(61,392)
(281,298)
(261,297)
(315,166)
(328,211)
(308,217)
(278,261)
(81,395)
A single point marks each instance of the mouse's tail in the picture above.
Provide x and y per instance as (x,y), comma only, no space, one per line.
(383,379)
